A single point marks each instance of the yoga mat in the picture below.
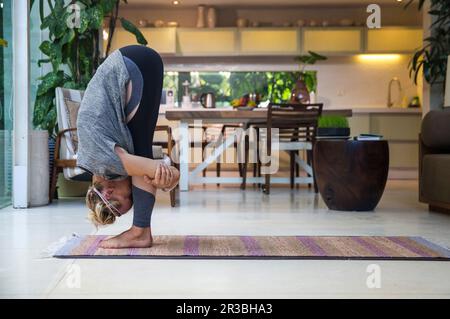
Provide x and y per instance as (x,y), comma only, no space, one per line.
(264,247)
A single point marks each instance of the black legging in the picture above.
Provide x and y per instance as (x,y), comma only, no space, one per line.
(142,125)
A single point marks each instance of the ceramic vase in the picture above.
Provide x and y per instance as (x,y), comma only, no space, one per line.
(300,92)
(201,16)
(212,17)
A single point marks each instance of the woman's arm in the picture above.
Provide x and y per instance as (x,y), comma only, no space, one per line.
(137,165)
(139,182)
(155,171)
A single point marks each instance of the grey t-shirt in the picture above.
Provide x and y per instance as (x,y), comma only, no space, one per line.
(102,122)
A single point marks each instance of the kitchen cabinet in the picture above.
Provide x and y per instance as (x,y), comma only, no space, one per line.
(332,40)
(207,42)
(163,40)
(393,40)
(404,155)
(400,129)
(269,41)
(359,124)
(402,132)
(274,41)
(397,127)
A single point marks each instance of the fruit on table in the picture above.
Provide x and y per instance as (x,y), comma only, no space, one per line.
(235,102)
(243,101)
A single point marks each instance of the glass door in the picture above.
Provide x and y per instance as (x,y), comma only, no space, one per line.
(6,106)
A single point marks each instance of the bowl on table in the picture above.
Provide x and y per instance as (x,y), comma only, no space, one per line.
(245,108)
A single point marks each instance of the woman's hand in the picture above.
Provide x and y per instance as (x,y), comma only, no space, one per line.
(163,177)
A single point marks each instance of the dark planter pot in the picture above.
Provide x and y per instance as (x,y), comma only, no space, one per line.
(299,93)
(333,131)
(351,175)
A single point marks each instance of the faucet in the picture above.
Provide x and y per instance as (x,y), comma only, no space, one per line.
(395,79)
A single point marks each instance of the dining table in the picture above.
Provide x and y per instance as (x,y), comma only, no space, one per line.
(200,116)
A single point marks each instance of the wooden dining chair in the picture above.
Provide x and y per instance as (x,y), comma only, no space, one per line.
(297,127)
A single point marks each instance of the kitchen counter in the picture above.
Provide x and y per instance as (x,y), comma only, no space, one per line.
(356,111)
(386,110)
(219,115)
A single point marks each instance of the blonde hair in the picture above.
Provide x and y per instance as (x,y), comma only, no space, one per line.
(99,213)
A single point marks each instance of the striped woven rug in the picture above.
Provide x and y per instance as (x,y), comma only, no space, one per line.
(264,247)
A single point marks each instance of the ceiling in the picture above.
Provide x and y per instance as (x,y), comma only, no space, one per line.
(262,2)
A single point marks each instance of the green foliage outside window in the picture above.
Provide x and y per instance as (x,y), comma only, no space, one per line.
(227,86)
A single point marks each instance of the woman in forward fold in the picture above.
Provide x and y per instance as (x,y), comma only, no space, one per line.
(116,124)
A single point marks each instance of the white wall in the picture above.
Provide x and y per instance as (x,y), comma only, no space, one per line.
(358,84)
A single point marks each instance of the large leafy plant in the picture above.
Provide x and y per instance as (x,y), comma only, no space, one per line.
(432,57)
(73,49)
(309,77)
(309,59)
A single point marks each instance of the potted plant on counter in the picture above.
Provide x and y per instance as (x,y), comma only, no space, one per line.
(331,126)
(306,84)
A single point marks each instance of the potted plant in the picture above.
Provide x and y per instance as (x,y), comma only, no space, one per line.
(333,126)
(73,51)
(432,57)
(307,80)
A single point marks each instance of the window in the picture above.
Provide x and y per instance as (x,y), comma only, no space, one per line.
(228,86)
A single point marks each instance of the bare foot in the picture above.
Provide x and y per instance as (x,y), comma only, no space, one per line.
(135,237)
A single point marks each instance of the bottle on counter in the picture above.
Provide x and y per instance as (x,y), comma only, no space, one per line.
(312,97)
(186,102)
(170,97)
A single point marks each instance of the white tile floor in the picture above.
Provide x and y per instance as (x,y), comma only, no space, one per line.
(226,210)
